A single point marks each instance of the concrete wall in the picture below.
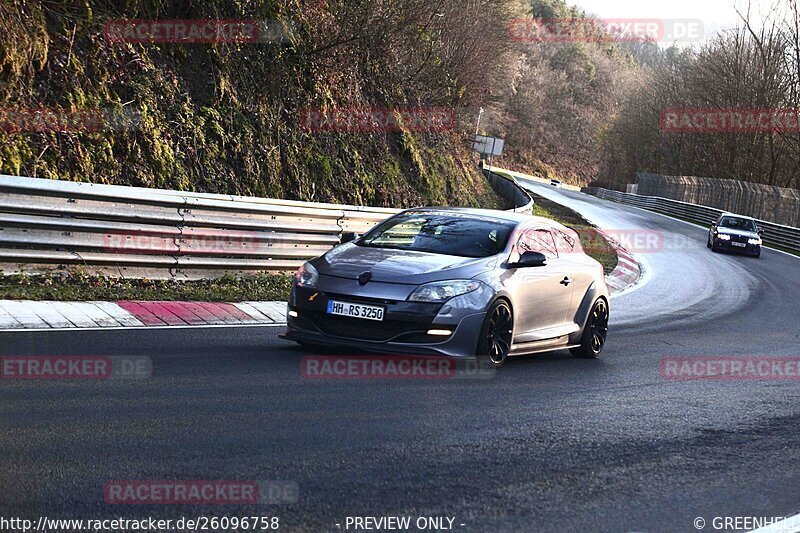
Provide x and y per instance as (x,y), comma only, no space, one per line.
(765,202)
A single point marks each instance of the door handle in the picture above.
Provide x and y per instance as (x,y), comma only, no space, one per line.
(566,281)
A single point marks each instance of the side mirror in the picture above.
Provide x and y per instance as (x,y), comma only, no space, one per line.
(760,232)
(348,237)
(530,259)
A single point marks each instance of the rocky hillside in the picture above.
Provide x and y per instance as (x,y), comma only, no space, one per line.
(227,116)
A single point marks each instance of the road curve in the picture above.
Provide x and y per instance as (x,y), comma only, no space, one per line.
(549,444)
(684,282)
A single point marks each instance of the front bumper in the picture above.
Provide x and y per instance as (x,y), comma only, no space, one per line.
(729,246)
(404,329)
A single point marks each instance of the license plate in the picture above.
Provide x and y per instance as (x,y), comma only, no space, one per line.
(739,244)
(367,312)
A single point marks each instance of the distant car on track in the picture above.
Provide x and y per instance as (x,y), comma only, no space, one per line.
(555,183)
(454,282)
(735,233)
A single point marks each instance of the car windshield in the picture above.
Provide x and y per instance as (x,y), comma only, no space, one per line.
(743,224)
(439,233)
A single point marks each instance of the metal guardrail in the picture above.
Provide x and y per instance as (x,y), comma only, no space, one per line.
(118,231)
(784,236)
(506,186)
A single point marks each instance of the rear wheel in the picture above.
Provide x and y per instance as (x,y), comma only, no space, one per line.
(594,334)
(496,333)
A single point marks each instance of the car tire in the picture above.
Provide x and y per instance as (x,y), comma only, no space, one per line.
(708,242)
(496,333)
(595,332)
(714,247)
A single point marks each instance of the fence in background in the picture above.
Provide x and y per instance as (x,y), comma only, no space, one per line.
(785,236)
(774,204)
(117,231)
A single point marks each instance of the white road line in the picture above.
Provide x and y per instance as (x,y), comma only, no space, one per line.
(790,525)
(50,314)
(615,283)
(645,273)
(29,315)
(94,312)
(7,321)
(119,314)
(279,308)
(272,311)
(23,314)
(253,312)
(627,271)
(73,314)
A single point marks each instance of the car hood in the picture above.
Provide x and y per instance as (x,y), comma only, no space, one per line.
(738,232)
(399,266)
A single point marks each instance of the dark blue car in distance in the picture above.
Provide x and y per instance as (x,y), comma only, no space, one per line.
(735,233)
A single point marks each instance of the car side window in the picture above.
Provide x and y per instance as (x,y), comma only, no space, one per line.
(565,243)
(537,240)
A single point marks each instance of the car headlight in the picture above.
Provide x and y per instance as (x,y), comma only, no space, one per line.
(306,276)
(723,237)
(753,241)
(441,291)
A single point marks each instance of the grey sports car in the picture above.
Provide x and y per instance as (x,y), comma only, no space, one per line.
(454,282)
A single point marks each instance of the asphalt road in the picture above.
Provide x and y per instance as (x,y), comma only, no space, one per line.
(549,444)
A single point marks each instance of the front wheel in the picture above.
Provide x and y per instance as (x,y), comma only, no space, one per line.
(496,333)
(595,332)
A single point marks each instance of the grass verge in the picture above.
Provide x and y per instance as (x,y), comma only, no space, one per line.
(78,286)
